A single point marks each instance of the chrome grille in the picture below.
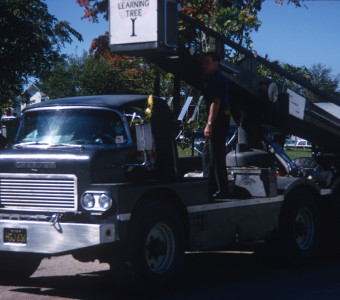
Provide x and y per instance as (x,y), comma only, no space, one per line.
(38,192)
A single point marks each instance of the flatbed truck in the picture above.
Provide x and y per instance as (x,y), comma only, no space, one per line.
(98,178)
(85,178)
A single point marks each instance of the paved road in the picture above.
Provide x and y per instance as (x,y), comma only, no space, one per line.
(205,276)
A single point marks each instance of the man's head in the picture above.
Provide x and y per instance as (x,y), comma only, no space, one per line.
(211,62)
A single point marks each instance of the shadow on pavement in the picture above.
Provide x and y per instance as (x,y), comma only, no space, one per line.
(220,275)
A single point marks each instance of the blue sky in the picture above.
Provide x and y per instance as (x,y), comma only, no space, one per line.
(298,36)
(70,11)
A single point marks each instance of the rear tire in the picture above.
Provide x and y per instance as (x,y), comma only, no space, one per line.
(299,232)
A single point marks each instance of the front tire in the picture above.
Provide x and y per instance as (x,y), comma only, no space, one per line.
(155,249)
(18,266)
(160,248)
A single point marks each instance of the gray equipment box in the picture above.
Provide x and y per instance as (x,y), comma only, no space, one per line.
(258,182)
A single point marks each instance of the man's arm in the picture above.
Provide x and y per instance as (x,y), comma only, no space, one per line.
(214,107)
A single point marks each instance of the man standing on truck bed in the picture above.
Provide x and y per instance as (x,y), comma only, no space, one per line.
(216,130)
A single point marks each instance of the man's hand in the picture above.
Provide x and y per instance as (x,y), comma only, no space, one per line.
(208,131)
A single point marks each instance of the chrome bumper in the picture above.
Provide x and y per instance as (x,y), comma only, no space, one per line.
(49,238)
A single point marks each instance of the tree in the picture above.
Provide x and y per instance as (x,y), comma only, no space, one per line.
(318,75)
(90,75)
(295,2)
(135,70)
(31,40)
(92,8)
(61,81)
(234,18)
(322,78)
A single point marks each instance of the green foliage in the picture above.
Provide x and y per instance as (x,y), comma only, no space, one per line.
(234,18)
(31,40)
(294,153)
(60,82)
(297,3)
(88,75)
(318,75)
(185,152)
(95,77)
(322,77)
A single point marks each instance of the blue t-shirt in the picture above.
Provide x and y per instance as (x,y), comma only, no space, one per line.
(217,87)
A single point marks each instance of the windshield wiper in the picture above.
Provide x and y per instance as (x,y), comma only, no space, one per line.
(21,145)
(66,146)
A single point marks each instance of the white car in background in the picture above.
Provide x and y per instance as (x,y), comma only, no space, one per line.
(289,144)
(303,144)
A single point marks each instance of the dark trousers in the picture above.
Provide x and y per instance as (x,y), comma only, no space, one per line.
(214,158)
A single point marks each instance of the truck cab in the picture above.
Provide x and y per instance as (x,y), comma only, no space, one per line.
(77,173)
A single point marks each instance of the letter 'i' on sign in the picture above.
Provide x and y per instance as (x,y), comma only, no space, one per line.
(133,26)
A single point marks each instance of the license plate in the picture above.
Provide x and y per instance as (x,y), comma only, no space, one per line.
(15,235)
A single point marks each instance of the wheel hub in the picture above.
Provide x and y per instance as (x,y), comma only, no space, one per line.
(156,248)
(304,228)
(160,248)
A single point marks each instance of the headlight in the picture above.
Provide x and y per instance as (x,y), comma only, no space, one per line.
(98,201)
(87,200)
(105,201)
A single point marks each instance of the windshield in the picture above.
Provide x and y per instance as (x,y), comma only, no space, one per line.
(72,127)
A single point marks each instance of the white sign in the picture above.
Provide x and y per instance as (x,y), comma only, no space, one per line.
(297,105)
(133,21)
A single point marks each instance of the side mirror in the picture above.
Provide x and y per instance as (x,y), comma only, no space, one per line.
(144,137)
(144,143)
